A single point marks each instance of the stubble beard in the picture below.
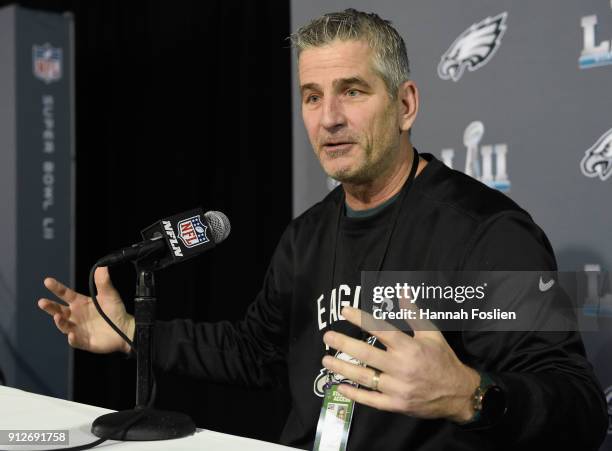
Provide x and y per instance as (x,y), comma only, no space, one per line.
(355,173)
(370,167)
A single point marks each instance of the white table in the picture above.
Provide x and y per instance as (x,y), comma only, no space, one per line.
(20,410)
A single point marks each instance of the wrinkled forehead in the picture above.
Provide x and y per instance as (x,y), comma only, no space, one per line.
(338,59)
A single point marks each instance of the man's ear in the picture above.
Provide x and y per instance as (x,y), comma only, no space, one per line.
(408,104)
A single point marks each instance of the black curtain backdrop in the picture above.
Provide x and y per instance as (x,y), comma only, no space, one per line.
(180,104)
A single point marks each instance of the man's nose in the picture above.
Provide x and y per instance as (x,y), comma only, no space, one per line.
(333,115)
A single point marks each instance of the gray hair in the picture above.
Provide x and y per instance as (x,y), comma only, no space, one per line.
(390,59)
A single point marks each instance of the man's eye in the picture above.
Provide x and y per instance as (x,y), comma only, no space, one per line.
(312,98)
(352,93)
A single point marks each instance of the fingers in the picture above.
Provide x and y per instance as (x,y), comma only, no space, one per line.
(61,318)
(60,290)
(104,285)
(69,328)
(362,375)
(52,307)
(388,334)
(373,399)
(63,324)
(60,314)
(358,349)
(421,326)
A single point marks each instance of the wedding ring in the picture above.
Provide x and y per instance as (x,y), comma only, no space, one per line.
(375,380)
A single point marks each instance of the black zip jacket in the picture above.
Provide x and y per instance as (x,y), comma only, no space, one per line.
(447,221)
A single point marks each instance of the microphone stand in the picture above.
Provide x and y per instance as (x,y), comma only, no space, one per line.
(153,424)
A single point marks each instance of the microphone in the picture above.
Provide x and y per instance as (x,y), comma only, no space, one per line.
(174,239)
(166,242)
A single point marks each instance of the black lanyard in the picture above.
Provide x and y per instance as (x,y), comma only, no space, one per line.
(396,210)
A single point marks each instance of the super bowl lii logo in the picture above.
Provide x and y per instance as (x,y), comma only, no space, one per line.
(486,163)
(593,53)
(598,295)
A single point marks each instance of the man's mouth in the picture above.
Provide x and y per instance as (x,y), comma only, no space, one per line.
(338,146)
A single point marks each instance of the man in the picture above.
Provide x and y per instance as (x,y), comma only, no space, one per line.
(394,211)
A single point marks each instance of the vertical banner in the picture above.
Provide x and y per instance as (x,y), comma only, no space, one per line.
(517,96)
(36,74)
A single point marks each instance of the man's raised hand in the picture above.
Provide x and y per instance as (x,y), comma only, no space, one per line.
(80,320)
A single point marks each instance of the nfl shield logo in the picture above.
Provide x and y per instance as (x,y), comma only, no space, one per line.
(47,62)
(192,232)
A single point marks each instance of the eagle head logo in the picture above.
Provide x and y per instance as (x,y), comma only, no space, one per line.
(473,48)
(597,161)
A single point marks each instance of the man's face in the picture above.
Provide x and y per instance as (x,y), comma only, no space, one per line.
(352,122)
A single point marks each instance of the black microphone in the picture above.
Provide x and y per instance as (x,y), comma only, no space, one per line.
(174,239)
